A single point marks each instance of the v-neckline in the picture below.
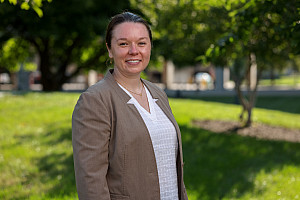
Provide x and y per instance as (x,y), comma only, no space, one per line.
(150,100)
(152,113)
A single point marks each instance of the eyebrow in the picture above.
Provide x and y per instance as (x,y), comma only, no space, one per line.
(126,38)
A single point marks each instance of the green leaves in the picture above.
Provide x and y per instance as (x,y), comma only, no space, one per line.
(261,27)
(15,51)
(36,5)
(25,6)
(38,10)
(61,34)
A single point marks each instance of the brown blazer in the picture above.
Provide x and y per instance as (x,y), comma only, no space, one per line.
(113,153)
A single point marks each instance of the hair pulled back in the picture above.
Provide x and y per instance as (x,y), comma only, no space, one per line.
(121,18)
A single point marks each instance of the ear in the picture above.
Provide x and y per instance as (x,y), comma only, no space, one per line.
(109,51)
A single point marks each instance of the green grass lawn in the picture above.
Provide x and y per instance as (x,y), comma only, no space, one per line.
(290,80)
(36,154)
(234,167)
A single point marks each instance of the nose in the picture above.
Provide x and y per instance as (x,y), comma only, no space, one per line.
(133,50)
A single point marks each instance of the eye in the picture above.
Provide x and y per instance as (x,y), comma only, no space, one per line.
(123,44)
(142,43)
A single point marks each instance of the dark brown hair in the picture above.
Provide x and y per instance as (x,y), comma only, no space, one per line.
(121,18)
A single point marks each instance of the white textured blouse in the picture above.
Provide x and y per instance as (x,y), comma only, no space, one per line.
(165,144)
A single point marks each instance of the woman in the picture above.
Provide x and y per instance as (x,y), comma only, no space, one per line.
(126,142)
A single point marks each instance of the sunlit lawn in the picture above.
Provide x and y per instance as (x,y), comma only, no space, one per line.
(35,146)
(219,166)
(290,80)
(36,153)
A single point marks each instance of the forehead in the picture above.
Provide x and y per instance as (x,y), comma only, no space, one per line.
(130,30)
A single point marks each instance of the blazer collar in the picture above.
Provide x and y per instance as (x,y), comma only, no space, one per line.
(112,82)
(125,97)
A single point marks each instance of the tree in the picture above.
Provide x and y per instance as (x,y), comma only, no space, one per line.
(261,34)
(180,28)
(69,32)
(244,35)
(27,4)
(13,52)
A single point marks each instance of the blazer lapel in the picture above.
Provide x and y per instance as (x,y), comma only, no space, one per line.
(125,97)
(109,77)
(160,102)
(163,104)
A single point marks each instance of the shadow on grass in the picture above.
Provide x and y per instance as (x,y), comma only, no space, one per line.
(281,103)
(59,135)
(57,167)
(215,164)
(218,164)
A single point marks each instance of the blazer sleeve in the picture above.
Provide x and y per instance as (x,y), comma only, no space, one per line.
(90,139)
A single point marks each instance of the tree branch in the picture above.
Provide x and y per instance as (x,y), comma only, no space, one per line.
(93,60)
(35,44)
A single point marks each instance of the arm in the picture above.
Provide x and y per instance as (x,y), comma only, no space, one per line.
(90,138)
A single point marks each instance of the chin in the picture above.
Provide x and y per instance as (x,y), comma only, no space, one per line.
(136,70)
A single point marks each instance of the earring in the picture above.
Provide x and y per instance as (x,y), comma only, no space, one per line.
(109,62)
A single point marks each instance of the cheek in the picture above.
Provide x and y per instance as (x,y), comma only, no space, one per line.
(147,52)
(118,53)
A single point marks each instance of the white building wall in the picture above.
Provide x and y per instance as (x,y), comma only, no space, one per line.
(183,75)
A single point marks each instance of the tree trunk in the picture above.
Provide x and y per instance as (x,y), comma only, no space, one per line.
(51,81)
(272,76)
(50,85)
(247,106)
(247,102)
(164,73)
(47,78)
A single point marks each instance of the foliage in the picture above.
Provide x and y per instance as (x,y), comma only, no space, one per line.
(15,51)
(223,31)
(36,152)
(69,33)
(262,34)
(270,29)
(27,4)
(238,34)
(182,29)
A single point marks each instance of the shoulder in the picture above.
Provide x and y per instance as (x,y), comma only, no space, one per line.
(98,88)
(95,94)
(155,90)
(102,89)
(154,87)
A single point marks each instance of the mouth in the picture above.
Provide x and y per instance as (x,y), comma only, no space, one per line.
(136,61)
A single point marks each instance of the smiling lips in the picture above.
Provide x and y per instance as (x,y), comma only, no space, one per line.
(133,62)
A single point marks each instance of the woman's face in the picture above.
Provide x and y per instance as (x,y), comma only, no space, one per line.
(130,48)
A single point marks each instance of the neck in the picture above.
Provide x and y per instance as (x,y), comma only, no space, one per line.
(133,83)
